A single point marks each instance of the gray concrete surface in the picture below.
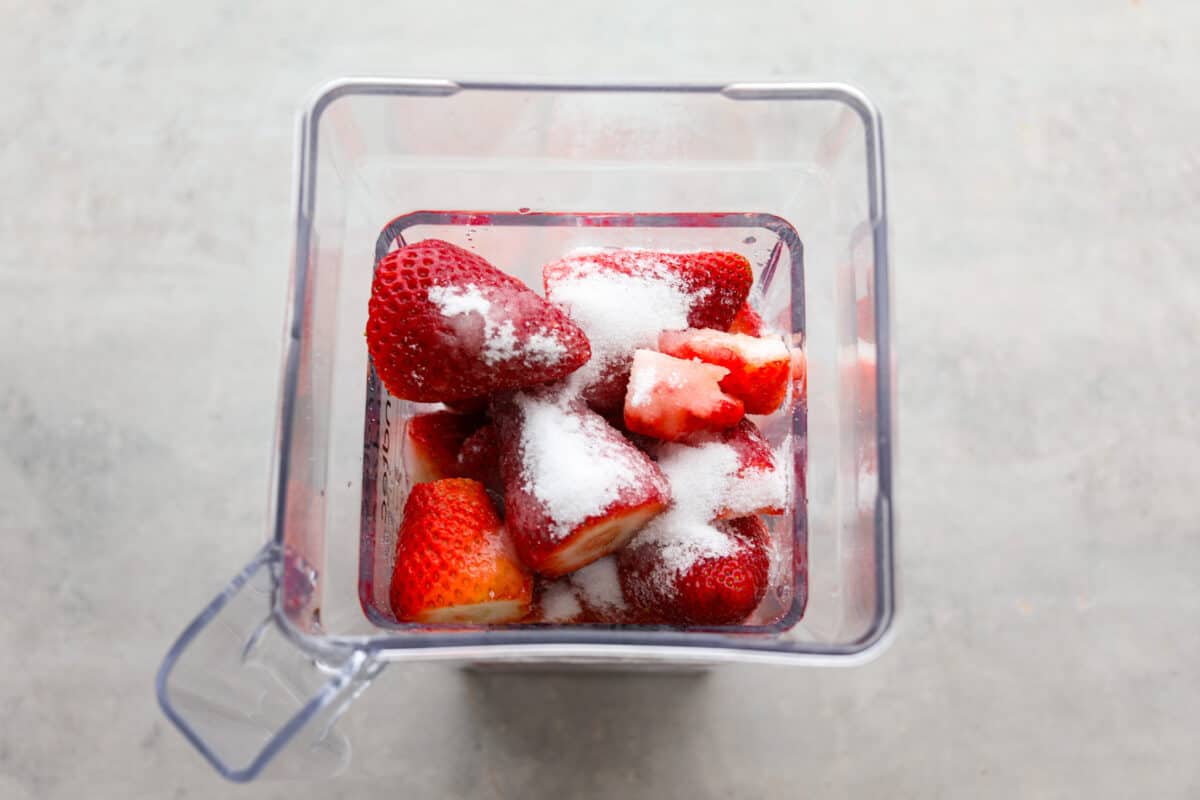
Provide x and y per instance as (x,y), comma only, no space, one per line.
(1045,186)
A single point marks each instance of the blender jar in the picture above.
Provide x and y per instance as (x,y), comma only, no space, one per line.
(790,175)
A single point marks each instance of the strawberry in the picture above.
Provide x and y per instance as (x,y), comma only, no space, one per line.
(598,588)
(748,322)
(799,376)
(479,458)
(752,482)
(681,572)
(759,367)
(715,284)
(432,443)
(589,595)
(555,602)
(670,398)
(622,299)
(454,560)
(575,489)
(445,325)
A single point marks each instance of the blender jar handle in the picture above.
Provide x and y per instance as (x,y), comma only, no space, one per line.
(240,690)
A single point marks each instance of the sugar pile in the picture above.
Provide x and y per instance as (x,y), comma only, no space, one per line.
(575,463)
(500,341)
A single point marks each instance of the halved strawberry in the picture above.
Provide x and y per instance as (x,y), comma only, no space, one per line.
(479,458)
(454,560)
(432,443)
(670,398)
(622,299)
(748,322)
(682,572)
(445,325)
(758,366)
(575,489)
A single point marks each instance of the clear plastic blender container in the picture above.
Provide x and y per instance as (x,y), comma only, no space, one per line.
(790,175)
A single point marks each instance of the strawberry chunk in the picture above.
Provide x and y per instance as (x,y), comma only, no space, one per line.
(670,398)
(748,322)
(575,489)
(682,572)
(759,367)
(479,458)
(454,561)
(622,299)
(445,325)
(432,443)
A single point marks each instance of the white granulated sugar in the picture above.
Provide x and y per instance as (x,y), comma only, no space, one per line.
(699,476)
(704,482)
(499,337)
(682,544)
(559,603)
(453,301)
(619,313)
(748,493)
(640,385)
(543,348)
(500,341)
(573,464)
(599,586)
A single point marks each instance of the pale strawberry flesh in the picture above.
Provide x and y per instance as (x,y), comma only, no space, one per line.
(671,399)
(758,367)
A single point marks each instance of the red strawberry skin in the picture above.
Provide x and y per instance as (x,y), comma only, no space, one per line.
(454,562)
(479,458)
(759,367)
(671,398)
(432,444)
(445,325)
(720,590)
(559,532)
(748,322)
(718,281)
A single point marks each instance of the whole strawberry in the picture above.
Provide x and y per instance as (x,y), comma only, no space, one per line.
(444,325)
(454,560)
